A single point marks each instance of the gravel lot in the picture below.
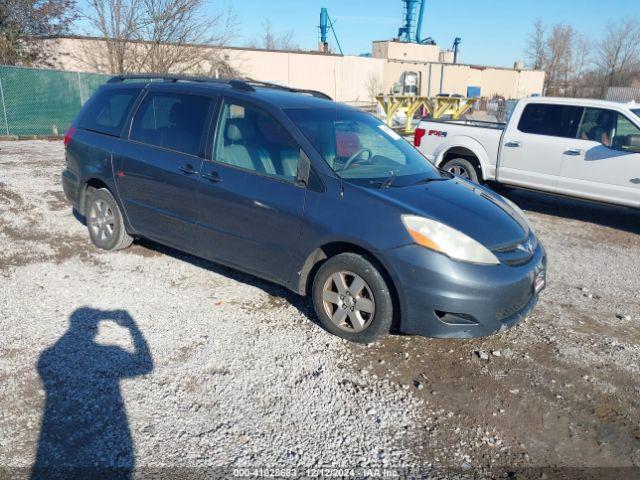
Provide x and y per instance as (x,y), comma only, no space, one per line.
(195,365)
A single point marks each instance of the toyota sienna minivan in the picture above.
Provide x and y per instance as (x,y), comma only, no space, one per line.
(319,197)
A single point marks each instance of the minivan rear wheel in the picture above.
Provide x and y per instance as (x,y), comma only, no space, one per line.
(351,298)
(104,222)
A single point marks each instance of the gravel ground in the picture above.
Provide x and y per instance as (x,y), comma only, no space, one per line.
(156,358)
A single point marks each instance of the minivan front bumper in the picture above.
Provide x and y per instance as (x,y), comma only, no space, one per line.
(440,297)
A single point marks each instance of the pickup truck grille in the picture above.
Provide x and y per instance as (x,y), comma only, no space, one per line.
(518,253)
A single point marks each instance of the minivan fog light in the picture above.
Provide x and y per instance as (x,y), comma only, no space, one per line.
(441,238)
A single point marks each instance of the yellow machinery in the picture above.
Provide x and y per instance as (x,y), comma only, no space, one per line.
(410,104)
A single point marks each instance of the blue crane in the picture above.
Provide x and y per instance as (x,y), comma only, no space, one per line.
(411,30)
(325,25)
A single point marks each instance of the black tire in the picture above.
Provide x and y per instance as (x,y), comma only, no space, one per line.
(377,324)
(104,234)
(465,166)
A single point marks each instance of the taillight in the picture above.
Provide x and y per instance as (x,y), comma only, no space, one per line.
(417,136)
(69,135)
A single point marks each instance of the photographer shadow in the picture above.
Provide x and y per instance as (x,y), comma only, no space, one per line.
(85,431)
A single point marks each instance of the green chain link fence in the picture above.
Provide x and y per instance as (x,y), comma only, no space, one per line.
(42,102)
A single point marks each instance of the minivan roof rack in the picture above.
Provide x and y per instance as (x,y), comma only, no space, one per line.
(239,84)
(313,93)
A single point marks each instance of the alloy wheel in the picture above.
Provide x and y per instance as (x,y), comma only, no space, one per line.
(101,220)
(348,301)
(459,171)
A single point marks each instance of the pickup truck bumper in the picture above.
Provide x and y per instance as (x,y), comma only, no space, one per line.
(443,298)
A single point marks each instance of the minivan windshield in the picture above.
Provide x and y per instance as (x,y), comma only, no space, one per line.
(636,111)
(363,150)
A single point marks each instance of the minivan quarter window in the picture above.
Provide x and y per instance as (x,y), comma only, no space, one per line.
(108,111)
(249,138)
(174,121)
(550,119)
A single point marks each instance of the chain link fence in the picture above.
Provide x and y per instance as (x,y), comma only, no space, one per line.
(42,102)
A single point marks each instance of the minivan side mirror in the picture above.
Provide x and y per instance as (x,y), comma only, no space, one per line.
(304,167)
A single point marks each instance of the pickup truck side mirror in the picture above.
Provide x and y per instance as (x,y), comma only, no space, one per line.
(631,143)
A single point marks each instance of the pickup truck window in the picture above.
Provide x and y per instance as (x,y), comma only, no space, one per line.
(597,125)
(626,135)
(360,148)
(610,128)
(551,120)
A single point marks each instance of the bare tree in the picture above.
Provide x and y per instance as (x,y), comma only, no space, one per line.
(559,48)
(374,86)
(174,33)
(566,57)
(536,48)
(618,54)
(162,36)
(271,40)
(23,23)
(582,59)
(119,23)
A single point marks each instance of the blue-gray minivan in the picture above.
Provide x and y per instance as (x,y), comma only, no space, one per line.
(314,195)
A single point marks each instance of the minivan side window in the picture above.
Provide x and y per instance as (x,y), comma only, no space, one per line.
(108,111)
(250,138)
(609,128)
(551,120)
(174,121)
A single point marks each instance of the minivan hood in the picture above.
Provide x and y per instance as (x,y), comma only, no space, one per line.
(469,208)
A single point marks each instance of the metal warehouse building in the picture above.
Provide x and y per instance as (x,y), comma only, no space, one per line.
(343,77)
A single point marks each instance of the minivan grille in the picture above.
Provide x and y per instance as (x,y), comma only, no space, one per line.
(517,253)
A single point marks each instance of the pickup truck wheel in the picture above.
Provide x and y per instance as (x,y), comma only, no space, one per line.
(104,222)
(352,299)
(462,168)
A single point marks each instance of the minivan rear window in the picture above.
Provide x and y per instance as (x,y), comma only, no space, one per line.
(108,111)
(174,121)
(551,120)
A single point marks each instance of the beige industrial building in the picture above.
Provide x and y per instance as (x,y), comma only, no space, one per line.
(346,78)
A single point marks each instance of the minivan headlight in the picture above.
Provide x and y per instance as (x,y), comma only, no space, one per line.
(444,239)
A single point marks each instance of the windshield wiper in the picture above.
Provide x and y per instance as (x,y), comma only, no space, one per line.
(431,179)
(387,183)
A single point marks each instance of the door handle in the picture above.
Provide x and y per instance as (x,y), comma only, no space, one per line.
(574,152)
(188,169)
(513,144)
(212,177)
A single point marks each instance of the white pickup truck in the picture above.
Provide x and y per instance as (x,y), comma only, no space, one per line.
(577,147)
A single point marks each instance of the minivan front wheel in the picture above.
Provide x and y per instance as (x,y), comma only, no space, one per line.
(104,222)
(352,299)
